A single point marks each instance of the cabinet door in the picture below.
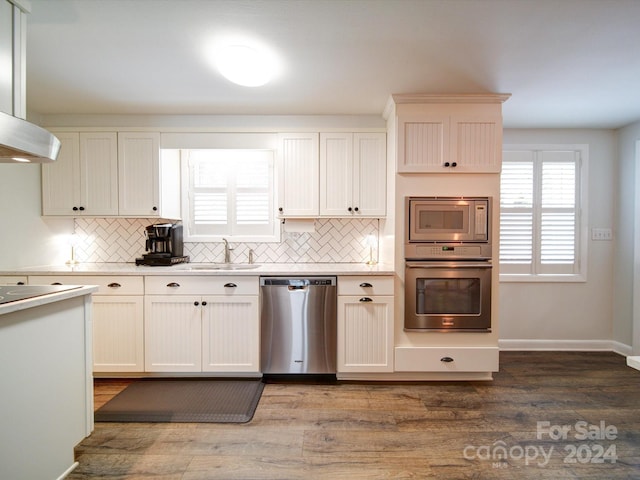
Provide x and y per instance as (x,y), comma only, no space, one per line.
(423,143)
(365,334)
(336,174)
(370,174)
(476,144)
(98,174)
(230,331)
(61,179)
(118,326)
(172,333)
(138,174)
(299,175)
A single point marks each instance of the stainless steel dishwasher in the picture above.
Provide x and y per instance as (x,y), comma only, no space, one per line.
(298,334)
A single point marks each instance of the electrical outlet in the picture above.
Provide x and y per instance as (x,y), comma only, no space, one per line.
(601,234)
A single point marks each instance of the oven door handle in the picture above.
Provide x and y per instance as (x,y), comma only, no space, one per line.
(437,264)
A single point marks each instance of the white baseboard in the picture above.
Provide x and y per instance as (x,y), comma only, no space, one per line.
(566,345)
(621,348)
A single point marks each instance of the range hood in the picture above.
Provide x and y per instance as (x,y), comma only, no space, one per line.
(21,141)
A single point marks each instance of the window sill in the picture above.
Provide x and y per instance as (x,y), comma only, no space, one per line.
(514,278)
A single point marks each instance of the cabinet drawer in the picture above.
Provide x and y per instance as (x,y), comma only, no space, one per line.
(11,280)
(213,285)
(444,359)
(107,284)
(365,285)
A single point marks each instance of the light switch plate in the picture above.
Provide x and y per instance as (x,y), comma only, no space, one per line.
(601,234)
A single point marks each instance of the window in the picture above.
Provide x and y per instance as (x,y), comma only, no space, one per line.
(228,193)
(541,207)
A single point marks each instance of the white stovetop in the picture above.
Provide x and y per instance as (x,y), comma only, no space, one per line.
(192,269)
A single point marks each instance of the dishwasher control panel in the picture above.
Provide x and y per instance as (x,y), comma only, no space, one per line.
(297,282)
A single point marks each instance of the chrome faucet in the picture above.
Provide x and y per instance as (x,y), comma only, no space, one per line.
(227,251)
(251,256)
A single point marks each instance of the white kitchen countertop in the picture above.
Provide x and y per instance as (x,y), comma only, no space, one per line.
(45,299)
(200,269)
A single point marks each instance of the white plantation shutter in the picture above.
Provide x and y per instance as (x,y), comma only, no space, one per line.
(539,211)
(516,212)
(230,193)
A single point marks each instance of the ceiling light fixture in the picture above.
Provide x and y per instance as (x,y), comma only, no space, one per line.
(244,65)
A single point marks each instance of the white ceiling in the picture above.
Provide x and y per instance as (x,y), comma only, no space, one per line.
(567,63)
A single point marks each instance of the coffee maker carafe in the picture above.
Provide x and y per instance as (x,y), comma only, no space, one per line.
(163,244)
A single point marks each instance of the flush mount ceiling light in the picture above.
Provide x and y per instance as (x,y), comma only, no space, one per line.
(245,65)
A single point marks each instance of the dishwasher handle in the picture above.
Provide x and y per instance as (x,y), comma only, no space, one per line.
(294,288)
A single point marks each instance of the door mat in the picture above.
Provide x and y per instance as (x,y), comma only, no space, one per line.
(184,400)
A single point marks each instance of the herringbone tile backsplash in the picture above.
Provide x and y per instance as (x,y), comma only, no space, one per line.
(117,240)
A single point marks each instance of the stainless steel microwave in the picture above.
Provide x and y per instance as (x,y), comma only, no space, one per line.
(448,219)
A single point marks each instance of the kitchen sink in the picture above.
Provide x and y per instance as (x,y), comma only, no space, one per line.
(224,266)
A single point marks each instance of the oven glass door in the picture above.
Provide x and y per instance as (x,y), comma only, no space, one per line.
(448,296)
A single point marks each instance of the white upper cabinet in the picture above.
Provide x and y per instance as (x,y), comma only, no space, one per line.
(111,174)
(138,173)
(446,135)
(353,174)
(299,171)
(370,174)
(148,182)
(84,179)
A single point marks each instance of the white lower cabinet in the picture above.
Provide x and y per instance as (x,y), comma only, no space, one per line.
(230,335)
(446,359)
(202,333)
(118,338)
(365,324)
(173,333)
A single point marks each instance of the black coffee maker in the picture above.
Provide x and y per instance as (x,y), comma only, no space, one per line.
(164,245)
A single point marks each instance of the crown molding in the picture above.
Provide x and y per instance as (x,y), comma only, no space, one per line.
(400,98)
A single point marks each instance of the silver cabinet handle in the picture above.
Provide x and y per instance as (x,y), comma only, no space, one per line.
(366,299)
(114,285)
(230,285)
(446,359)
(366,285)
(173,285)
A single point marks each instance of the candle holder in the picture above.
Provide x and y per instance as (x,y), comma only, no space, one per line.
(371,241)
(73,240)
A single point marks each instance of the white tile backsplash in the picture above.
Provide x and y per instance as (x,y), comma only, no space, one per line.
(335,240)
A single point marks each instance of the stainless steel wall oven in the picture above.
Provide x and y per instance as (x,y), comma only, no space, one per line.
(448,277)
(448,296)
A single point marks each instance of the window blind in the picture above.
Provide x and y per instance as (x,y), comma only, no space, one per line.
(539,192)
(230,193)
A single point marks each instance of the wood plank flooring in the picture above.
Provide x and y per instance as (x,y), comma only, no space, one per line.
(510,428)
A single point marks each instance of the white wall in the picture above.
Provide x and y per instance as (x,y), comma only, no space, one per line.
(566,315)
(626,307)
(25,237)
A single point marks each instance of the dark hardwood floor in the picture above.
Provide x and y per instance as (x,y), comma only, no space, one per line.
(546,415)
